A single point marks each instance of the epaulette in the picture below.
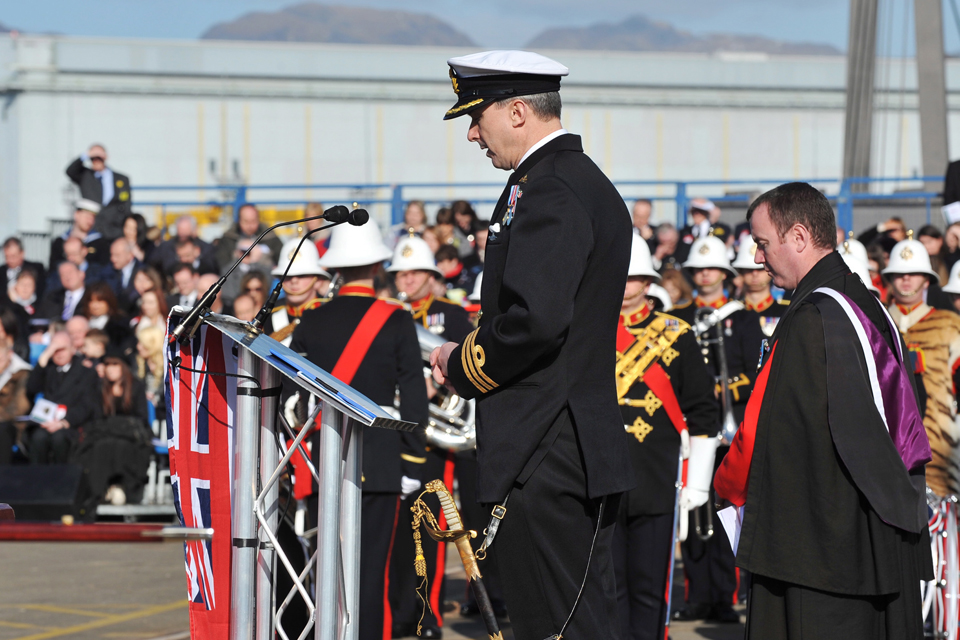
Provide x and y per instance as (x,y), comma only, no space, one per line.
(313,304)
(683,306)
(785,303)
(681,324)
(393,301)
(278,308)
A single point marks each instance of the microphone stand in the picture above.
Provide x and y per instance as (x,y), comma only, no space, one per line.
(257,325)
(188,326)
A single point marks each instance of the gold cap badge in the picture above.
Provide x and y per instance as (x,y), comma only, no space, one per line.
(407,251)
(906,254)
(704,249)
(453,80)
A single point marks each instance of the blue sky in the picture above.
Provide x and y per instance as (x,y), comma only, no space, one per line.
(492,23)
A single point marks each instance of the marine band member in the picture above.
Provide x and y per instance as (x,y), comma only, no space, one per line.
(299,289)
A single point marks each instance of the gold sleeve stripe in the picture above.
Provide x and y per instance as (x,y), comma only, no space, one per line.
(480,360)
(471,368)
(414,459)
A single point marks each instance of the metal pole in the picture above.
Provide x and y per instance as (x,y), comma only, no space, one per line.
(328,524)
(861,62)
(244,523)
(269,458)
(397,205)
(350,524)
(681,199)
(931,89)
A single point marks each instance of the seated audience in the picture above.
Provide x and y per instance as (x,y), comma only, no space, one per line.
(61,377)
(62,303)
(99,307)
(14,372)
(321,238)
(84,216)
(248,226)
(147,279)
(257,261)
(203,284)
(164,258)
(24,291)
(457,277)
(121,275)
(190,252)
(681,293)
(414,221)
(77,328)
(94,348)
(150,366)
(15,263)
(76,252)
(153,311)
(115,451)
(257,286)
(135,231)
(187,281)
(245,307)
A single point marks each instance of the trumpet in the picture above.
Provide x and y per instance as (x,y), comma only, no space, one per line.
(705,319)
(452,423)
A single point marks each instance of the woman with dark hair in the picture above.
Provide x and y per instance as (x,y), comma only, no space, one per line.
(135,231)
(148,278)
(99,306)
(115,450)
(255,284)
(153,311)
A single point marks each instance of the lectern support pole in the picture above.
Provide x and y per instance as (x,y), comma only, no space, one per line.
(269,458)
(328,581)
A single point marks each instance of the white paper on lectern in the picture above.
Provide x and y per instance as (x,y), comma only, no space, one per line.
(732,520)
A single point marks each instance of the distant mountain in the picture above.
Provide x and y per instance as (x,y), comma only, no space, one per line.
(639,33)
(312,22)
(4,28)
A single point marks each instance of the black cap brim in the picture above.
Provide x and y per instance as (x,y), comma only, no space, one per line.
(477,92)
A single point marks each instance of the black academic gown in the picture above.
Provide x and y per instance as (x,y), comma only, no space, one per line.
(810,535)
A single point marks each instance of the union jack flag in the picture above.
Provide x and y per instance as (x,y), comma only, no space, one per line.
(200,412)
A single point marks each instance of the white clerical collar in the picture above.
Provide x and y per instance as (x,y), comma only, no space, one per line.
(548,138)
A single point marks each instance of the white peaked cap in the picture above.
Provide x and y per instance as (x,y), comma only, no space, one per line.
(860,268)
(413,254)
(640,262)
(306,262)
(748,249)
(854,248)
(86,205)
(910,256)
(475,296)
(352,246)
(491,63)
(702,204)
(709,253)
(661,294)
(953,282)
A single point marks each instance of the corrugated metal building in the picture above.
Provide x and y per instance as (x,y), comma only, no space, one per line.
(196,113)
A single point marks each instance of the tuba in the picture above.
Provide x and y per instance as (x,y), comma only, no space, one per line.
(452,423)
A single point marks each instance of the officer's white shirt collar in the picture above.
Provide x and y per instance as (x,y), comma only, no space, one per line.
(545,140)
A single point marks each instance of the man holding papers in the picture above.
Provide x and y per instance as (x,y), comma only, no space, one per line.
(829,460)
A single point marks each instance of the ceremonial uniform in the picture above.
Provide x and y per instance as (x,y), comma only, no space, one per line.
(284,319)
(643,539)
(392,364)
(834,529)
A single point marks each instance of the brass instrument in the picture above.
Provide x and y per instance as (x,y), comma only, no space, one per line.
(706,319)
(452,422)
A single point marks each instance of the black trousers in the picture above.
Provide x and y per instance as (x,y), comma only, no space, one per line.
(51,448)
(641,558)
(476,517)
(407,605)
(709,566)
(779,610)
(543,544)
(8,436)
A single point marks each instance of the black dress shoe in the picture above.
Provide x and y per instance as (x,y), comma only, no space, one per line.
(692,612)
(403,630)
(724,613)
(431,632)
(469,610)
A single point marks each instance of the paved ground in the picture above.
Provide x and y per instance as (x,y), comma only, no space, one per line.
(117,591)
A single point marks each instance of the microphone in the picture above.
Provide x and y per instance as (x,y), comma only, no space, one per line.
(188,325)
(357,217)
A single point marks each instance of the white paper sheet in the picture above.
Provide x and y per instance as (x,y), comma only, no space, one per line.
(732,520)
(951,212)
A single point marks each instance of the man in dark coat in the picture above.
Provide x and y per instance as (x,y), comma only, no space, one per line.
(248,227)
(550,438)
(101,184)
(15,263)
(829,460)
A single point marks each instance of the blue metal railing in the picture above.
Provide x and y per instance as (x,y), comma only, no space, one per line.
(845,195)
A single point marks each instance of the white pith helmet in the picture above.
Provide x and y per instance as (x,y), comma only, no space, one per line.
(953,282)
(661,294)
(305,263)
(860,268)
(352,246)
(640,262)
(709,253)
(855,248)
(748,249)
(910,256)
(475,296)
(413,254)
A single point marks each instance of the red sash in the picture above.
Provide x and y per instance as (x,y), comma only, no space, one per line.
(346,367)
(733,475)
(658,382)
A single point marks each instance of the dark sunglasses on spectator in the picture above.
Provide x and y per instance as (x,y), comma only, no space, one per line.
(249,289)
(96,159)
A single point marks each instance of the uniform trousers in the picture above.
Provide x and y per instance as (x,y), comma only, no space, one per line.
(709,566)
(543,543)
(404,581)
(778,610)
(51,448)
(641,558)
(476,517)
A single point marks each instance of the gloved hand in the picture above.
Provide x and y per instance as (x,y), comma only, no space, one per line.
(692,498)
(696,491)
(408,486)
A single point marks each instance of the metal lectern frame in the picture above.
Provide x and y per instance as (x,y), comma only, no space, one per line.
(258,466)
